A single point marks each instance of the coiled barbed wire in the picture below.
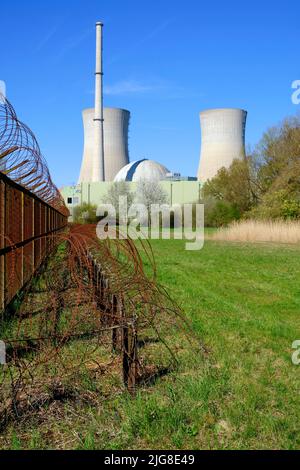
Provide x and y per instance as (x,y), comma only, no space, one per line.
(21,158)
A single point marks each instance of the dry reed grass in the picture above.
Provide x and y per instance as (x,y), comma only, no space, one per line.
(280,231)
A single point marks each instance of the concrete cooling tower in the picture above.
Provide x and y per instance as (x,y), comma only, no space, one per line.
(116,155)
(223,140)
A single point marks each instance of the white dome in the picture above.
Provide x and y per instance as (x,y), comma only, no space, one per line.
(142,170)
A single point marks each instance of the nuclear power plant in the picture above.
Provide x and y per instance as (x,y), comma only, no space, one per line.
(106,154)
(222,140)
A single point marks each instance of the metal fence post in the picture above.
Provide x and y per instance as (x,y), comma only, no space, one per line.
(130,358)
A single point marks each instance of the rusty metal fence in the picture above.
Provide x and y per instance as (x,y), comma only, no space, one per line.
(31,207)
(27,235)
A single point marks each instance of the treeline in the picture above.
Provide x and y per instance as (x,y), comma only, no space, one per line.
(264,185)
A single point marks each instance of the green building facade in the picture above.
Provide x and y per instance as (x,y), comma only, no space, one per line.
(179,192)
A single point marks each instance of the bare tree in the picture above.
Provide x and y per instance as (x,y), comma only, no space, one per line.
(121,198)
(150,192)
(115,191)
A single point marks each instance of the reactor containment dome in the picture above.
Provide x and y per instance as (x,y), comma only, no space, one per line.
(222,140)
(142,170)
(116,155)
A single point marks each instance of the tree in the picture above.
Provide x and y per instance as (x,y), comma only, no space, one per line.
(150,192)
(278,149)
(147,194)
(121,198)
(115,191)
(282,199)
(235,185)
(278,156)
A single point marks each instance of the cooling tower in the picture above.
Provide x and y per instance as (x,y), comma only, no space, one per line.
(222,140)
(116,124)
(116,155)
(86,171)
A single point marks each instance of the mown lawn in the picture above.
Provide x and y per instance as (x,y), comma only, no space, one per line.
(244,303)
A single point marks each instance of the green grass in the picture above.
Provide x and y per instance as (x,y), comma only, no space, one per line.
(244,302)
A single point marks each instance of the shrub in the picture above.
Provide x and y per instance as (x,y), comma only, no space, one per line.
(219,213)
(277,205)
(85,214)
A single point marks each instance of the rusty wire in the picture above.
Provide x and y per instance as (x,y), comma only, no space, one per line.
(65,324)
(21,158)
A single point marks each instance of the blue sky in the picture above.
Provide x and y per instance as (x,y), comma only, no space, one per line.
(164,60)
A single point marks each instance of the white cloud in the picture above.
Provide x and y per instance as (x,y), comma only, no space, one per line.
(128,87)
(166,89)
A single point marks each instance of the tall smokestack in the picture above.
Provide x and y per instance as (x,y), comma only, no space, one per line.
(98,167)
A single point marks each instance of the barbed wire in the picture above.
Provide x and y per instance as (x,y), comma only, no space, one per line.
(21,158)
(92,303)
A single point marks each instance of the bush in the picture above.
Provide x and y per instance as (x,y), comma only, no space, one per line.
(277,205)
(85,214)
(291,209)
(219,213)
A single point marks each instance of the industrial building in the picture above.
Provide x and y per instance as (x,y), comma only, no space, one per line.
(177,191)
(222,140)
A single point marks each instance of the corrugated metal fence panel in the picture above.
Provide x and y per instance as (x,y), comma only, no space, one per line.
(29,223)
(14,234)
(43,230)
(2,241)
(28,249)
(37,232)
(13,273)
(13,215)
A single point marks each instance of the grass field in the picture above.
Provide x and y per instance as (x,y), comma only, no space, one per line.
(244,302)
